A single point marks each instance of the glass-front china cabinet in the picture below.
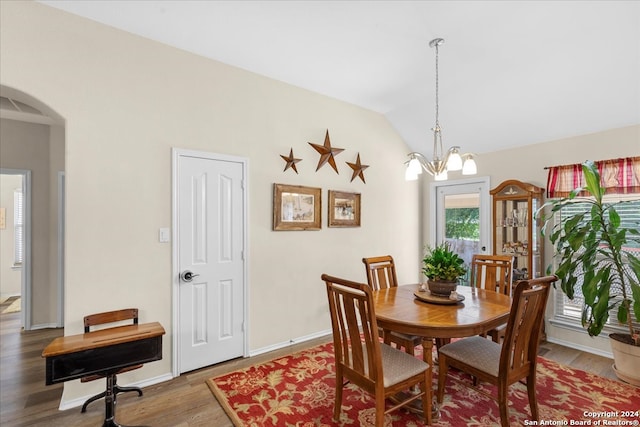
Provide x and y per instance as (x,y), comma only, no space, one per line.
(515,230)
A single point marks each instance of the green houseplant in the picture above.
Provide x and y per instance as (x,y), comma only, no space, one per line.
(592,249)
(443,268)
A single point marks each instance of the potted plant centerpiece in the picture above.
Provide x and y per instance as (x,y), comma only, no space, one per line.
(592,248)
(443,269)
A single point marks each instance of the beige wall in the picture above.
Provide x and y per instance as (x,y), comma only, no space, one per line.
(10,278)
(126,102)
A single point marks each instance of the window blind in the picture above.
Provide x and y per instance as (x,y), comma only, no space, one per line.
(571,310)
(18,226)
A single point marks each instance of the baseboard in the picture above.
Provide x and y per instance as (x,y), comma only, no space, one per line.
(45,326)
(584,348)
(285,344)
(79,401)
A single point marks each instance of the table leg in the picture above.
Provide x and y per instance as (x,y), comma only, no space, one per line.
(427,356)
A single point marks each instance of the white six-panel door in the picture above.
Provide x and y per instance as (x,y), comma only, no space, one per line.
(210,210)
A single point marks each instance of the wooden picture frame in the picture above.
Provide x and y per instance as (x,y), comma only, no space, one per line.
(296,207)
(344,209)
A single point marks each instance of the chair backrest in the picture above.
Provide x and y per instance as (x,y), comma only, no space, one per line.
(356,346)
(520,346)
(110,317)
(492,272)
(381,272)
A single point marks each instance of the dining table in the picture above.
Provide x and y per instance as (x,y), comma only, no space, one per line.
(412,310)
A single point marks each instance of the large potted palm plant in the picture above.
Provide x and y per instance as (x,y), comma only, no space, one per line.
(593,250)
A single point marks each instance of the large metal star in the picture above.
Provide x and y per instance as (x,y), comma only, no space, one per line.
(291,161)
(358,169)
(327,153)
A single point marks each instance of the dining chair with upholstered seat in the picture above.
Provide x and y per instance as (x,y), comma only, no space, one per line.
(513,360)
(494,273)
(362,359)
(111,318)
(381,273)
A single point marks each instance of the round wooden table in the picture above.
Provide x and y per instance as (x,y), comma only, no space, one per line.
(397,309)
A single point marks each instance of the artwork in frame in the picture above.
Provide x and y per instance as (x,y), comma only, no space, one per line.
(344,209)
(296,207)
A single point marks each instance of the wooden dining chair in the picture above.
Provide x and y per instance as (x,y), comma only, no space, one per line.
(113,318)
(362,359)
(503,365)
(381,273)
(494,273)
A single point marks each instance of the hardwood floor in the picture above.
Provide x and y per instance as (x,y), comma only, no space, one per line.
(181,402)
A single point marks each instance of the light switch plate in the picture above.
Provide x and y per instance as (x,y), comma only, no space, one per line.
(163,235)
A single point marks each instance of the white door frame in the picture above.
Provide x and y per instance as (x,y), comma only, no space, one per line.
(175,273)
(485,214)
(61,245)
(26,262)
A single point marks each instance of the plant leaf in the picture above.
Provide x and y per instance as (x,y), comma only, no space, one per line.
(592,179)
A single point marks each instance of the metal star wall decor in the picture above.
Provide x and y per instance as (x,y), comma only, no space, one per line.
(327,153)
(291,161)
(358,169)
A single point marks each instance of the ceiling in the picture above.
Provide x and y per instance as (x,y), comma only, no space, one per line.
(511,72)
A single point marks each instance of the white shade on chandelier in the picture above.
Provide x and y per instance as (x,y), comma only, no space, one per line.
(443,162)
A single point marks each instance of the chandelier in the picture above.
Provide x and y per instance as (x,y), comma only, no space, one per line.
(451,160)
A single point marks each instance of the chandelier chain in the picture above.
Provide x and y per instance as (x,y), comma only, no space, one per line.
(437,89)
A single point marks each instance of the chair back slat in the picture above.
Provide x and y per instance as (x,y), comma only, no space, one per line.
(520,347)
(381,272)
(355,331)
(110,317)
(492,272)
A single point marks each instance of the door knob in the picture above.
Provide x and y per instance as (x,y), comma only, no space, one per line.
(187,276)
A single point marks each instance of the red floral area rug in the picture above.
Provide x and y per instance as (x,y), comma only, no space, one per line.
(299,390)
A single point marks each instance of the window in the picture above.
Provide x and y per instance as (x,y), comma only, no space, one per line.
(18,227)
(571,310)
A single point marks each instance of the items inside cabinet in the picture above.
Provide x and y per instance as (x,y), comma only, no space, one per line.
(515,230)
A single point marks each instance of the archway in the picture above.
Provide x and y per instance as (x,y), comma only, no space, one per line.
(33,143)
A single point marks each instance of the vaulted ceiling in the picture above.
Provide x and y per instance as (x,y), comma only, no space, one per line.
(511,72)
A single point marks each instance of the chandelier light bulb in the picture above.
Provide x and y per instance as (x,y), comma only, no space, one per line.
(442,176)
(469,167)
(415,167)
(455,160)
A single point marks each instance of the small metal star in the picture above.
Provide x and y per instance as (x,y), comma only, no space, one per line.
(358,169)
(327,153)
(291,161)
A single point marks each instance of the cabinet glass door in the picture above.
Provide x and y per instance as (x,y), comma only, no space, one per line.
(516,232)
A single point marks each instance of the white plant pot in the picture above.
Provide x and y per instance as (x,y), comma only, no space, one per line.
(626,359)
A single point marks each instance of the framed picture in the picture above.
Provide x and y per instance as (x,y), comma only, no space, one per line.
(344,209)
(296,207)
